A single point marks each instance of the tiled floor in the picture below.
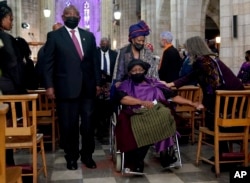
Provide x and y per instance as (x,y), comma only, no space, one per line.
(105,172)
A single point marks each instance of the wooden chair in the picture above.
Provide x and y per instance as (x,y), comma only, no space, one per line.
(10,174)
(231,110)
(247,87)
(192,93)
(46,117)
(21,130)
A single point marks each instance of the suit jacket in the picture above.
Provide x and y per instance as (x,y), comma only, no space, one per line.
(39,67)
(65,70)
(112,59)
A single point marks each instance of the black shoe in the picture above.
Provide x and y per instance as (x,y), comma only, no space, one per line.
(89,162)
(139,167)
(72,165)
(167,157)
(163,159)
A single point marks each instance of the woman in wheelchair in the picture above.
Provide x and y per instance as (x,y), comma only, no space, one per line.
(147,117)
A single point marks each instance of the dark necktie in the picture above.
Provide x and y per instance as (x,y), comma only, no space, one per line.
(76,43)
(105,68)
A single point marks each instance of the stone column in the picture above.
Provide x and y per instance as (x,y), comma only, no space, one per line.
(106,21)
(157,15)
(187,19)
(128,17)
(17,13)
(46,22)
(178,21)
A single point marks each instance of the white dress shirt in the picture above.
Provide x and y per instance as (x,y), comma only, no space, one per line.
(107,59)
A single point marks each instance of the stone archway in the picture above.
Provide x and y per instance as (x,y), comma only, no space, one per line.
(213,11)
(212,20)
(157,15)
(211,29)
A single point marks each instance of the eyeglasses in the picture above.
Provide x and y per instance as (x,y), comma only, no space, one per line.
(137,71)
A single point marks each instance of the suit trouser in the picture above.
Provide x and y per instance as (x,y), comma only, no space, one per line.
(69,111)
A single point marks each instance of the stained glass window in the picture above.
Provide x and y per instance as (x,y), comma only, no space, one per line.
(86,13)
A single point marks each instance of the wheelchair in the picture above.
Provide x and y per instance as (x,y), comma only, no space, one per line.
(118,157)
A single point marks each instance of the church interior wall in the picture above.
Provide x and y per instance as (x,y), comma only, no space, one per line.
(184,18)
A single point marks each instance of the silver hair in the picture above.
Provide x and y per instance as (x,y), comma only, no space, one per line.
(197,46)
(167,35)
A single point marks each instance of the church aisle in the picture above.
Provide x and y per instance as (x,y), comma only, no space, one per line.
(105,172)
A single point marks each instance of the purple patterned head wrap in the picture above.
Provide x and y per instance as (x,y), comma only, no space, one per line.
(139,29)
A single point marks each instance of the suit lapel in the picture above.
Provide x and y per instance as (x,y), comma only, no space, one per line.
(112,61)
(68,41)
(83,40)
(99,55)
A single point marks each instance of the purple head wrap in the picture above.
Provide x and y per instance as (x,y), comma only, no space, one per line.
(139,29)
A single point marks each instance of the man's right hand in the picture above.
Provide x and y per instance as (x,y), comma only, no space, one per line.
(50,93)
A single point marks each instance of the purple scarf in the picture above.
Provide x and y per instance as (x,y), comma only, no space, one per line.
(149,90)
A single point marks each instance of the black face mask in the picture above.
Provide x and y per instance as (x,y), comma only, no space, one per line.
(138,47)
(137,78)
(71,22)
(247,59)
(104,48)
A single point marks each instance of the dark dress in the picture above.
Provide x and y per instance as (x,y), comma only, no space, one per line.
(11,76)
(11,66)
(170,65)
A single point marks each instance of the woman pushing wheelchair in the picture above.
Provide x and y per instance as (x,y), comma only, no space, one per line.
(147,116)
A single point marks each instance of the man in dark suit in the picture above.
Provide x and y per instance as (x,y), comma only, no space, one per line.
(72,76)
(107,58)
(110,58)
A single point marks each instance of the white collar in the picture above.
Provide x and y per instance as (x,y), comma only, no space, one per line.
(69,29)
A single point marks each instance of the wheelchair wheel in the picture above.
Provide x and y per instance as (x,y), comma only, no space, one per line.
(114,153)
(118,162)
(111,135)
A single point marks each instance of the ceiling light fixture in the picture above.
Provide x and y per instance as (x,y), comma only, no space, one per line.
(46,11)
(117,13)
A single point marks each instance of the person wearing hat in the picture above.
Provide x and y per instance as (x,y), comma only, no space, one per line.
(134,50)
(139,91)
